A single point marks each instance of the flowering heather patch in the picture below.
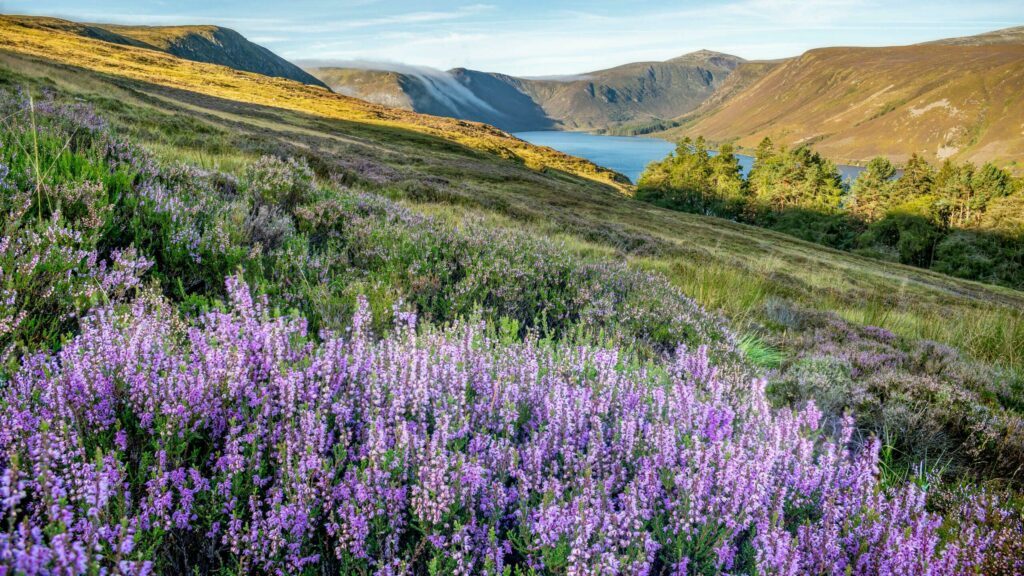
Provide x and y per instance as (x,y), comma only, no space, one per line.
(930,401)
(447,272)
(236,443)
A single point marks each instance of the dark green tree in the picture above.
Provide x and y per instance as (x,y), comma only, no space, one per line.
(872,190)
(917,180)
(694,181)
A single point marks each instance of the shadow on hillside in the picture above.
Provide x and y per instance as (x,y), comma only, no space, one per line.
(977,254)
(396,145)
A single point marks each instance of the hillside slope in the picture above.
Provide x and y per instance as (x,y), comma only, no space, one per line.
(1006,35)
(633,93)
(745,75)
(466,94)
(638,92)
(959,99)
(209,44)
(159,69)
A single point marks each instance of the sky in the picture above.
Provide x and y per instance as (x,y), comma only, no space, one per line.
(549,37)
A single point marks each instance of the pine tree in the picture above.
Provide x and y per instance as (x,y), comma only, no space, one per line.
(872,190)
(916,181)
(989,182)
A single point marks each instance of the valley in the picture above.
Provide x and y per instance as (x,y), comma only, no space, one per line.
(844,101)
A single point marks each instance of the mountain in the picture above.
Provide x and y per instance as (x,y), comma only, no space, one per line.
(961,99)
(209,44)
(1006,35)
(478,96)
(88,47)
(744,76)
(633,93)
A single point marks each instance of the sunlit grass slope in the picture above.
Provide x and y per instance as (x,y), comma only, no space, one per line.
(131,62)
(204,43)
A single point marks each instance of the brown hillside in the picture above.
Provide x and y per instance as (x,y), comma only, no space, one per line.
(958,101)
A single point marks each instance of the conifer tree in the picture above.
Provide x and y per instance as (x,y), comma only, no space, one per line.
(871,191)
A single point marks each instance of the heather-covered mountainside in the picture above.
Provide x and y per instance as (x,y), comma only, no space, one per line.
(960,99)
(637,93)
(210,44)
(252,327)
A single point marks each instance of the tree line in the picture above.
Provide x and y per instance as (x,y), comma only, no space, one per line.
(959,219)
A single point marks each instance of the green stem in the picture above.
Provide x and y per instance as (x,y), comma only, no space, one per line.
(35,146)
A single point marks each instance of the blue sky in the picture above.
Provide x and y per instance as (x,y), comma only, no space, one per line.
(544,37)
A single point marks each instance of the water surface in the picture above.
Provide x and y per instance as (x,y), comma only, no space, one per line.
(628,155)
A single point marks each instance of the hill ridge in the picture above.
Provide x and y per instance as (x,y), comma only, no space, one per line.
(636,92)
(852,103)
(205,43)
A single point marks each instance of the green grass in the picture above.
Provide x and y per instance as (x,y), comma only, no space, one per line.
(759,353)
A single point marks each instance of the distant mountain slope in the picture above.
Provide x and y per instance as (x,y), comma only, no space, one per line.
(478,96)
(1004,36)
(633,93)
(210,44)
(151,70)
(961,99)
(744,76)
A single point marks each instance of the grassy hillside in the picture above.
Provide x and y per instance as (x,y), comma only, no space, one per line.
(162,70)
(384,88)
(960,100)
(210,44)
(636,93)
(726,265)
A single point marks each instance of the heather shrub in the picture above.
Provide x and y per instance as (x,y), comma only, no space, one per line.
(268,226)
(825,381)
(447,271)
(928,399)
(55,201)
(275,182)
(235,444)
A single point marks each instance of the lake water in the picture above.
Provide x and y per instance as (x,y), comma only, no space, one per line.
(627,155)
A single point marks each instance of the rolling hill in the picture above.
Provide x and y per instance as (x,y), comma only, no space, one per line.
(465,163)
(69,46)
(209,44)
(961,99)
(634,93)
